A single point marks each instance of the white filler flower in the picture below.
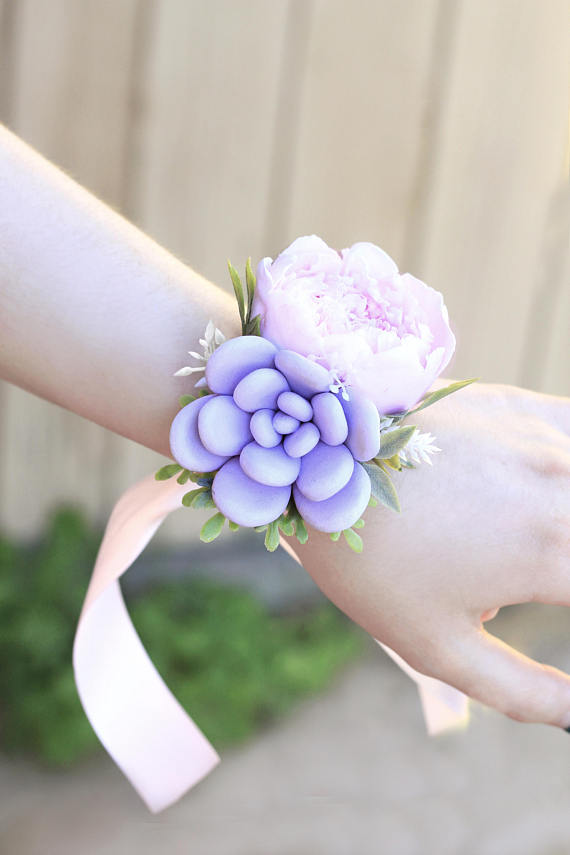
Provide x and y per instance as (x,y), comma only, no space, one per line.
(419,448)
(213,338)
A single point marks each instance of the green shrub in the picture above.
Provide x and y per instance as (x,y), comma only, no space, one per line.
(234,666)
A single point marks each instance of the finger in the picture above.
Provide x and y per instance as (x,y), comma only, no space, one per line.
(490,671)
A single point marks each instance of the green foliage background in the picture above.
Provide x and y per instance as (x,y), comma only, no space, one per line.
(234,666)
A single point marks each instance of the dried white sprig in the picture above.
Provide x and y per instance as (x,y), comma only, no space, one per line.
(213,338)
(386,422)
(418,448)
(337,385)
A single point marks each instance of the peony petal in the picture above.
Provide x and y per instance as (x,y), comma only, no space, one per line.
(307,244)
(436,315)
(367,259)
(395,380)
(288,322)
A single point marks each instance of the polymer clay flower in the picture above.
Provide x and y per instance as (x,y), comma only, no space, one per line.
(272,430)
(299,419)
(383,333)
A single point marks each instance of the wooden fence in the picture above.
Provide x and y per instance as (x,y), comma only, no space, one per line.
(435,128)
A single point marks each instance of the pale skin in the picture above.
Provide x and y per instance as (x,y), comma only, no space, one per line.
(96,317)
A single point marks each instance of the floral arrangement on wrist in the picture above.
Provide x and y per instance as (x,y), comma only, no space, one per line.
(300,419)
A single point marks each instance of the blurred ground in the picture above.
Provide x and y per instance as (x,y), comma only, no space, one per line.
(352,771)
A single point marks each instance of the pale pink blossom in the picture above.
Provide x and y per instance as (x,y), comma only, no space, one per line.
(382,333)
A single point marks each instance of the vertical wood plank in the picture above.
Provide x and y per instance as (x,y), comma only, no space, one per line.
(72,80)
(69,97)
(362,122)
(497,161)
(546,360)
(208,113)
(8,12)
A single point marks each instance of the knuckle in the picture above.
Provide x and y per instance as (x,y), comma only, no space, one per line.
(436,657)
(427,658)
(550,463)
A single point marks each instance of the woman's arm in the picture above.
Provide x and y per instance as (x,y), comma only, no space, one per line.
(94,315)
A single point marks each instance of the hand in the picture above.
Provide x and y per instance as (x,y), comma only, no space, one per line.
(486,526)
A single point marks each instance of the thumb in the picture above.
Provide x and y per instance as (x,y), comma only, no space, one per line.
(494,673)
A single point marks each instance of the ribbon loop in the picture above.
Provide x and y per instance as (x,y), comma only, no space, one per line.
(138,720)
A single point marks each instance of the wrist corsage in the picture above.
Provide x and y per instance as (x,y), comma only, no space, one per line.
(295,423)
(301,418)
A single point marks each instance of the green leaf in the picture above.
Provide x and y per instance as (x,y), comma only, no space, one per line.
(183,477)
(233,526)
(212,529)
(238,290)
(260,528)
(397,417)
(359,524)
(335,535)
(394,441)
(183,400)
(353,539)
(250,281)
(253,326)
(301,530)
(167,471)
(382,487)
(430,399)
(286,525)
(393,462)
(197,477)
(188,498)
(272,536)
(203,500)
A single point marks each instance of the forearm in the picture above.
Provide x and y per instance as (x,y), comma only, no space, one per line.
(94,315)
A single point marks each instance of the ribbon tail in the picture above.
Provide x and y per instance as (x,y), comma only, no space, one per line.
(138,720)
(444,707)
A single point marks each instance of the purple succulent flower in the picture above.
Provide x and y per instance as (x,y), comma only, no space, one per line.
(271,429)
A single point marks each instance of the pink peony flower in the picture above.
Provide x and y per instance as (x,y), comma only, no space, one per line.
(377,331)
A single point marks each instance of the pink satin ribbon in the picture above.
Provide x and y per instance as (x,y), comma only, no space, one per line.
(139,721)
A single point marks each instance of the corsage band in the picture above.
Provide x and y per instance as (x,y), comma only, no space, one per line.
(295,425)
